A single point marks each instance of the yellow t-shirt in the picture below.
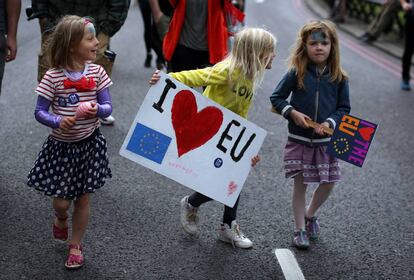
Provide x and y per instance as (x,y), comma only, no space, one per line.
(235,95)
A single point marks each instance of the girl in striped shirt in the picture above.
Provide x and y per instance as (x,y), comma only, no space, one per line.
(73,161)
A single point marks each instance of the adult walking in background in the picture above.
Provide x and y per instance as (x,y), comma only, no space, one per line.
(382,21)
(197,35)
(151,37)
(108,17)
(9,18)
(407,6)
(339,11)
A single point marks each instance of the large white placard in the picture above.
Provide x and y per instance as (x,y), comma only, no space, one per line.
(185,136)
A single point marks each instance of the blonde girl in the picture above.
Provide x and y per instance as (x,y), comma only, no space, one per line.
(319,91)
(73,161)
(232,83)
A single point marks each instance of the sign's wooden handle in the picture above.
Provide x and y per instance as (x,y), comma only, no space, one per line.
(311,123)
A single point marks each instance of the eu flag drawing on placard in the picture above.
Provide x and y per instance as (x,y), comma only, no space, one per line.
(148,143)
(351,139)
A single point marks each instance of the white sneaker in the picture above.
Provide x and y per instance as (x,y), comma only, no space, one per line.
(234,236)
(188,216)
(108,120)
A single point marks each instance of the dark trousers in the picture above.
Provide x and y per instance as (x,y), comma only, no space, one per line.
(151,37)
(230,214)
(3,51)
(409,47)
(188,59)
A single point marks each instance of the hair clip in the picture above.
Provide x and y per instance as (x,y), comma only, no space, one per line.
(86,21)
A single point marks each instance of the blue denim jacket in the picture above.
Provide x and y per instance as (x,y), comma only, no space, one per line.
(321,100)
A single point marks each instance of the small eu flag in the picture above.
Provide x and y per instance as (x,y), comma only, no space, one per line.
(148,143)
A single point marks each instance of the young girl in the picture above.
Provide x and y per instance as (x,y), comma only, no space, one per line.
(319,90)
(73,161)
(231,83)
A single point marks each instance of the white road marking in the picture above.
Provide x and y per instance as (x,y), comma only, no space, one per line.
(259,1)
(289,265)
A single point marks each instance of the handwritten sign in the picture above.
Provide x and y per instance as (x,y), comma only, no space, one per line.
(351,140)
(185,136)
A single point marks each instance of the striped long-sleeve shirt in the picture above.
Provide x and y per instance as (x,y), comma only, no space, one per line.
(65,101)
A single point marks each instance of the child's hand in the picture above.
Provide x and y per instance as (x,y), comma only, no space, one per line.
(255,160)
(407,7)
(155,77)
(91,112)
(299,118)
(67,122)
(319,129)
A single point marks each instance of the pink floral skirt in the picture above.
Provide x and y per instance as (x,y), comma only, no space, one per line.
(314,163)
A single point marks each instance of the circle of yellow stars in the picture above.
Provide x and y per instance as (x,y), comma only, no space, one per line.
(345,147)
(143,141)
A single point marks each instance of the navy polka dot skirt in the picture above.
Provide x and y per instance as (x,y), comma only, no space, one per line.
(71,169)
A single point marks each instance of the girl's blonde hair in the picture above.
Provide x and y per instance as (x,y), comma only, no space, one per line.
(68,34)
(252,50)
(299,59)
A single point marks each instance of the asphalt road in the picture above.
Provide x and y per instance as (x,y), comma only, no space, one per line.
(134,232)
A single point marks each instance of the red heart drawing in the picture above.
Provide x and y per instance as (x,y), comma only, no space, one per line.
(232,187)
(366,133)
(192,128)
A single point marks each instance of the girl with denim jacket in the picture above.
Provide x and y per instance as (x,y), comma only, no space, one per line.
(319,91)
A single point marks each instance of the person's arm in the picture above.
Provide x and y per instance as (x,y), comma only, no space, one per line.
(156,10)
(13,13)
(104,103)
(116,13)
(282,92)
(343,105)
(202,77)
(42,114)
(406,6)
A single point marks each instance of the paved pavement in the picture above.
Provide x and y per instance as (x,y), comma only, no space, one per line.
(386,43)
(134,232)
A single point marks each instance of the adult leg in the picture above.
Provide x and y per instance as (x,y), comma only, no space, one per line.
(299,201)
(43,64)
(101,59)
(156,44)
(319,196)
(408,49)
(384,19)
(2,57)
(147,19)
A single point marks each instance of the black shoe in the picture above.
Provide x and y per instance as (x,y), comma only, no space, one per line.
(148,59)
(160,64)
(366,38)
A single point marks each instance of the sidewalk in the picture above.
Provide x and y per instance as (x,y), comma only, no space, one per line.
(387,43)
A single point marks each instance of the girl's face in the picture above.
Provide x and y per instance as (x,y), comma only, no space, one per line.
(88,46)
(318,47)
(269,64)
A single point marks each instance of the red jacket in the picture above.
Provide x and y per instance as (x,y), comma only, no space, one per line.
(216,30)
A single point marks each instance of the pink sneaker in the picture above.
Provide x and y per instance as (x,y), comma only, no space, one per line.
(75,261)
